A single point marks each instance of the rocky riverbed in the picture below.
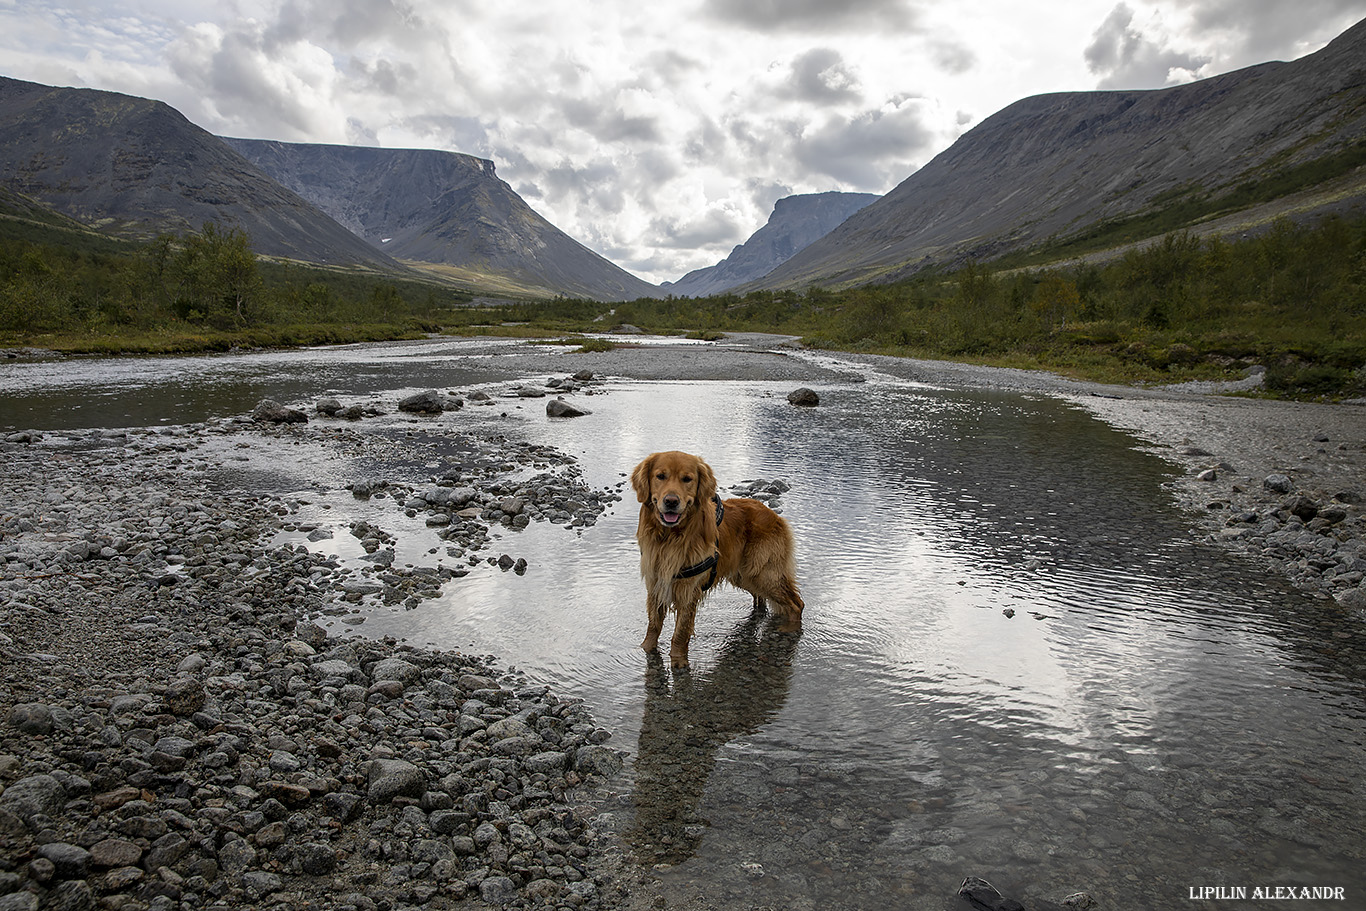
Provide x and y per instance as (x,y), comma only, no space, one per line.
(180,732)
(181,727)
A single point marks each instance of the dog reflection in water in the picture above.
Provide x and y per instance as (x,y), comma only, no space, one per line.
(690,539)
(689,717)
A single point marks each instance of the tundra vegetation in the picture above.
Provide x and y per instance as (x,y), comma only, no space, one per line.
(1291,298)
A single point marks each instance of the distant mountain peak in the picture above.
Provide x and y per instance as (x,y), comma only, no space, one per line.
(796,222)
(442,208)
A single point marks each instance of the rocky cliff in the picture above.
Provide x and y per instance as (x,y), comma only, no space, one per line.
(442,208)
(1055,166)
(796,223)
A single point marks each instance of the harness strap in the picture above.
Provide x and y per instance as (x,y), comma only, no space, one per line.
(698,569)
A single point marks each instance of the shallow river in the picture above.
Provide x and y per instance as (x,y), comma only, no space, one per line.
(1156,718)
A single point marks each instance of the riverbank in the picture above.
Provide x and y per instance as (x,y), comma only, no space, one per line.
(181,727)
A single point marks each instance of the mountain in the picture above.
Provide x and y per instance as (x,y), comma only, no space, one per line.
(796,223)
(446,210)
(1053,167)
(137,167)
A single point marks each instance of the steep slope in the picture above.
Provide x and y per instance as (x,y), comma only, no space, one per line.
(796,223)
(1053,166)
(442,208)
(137,167)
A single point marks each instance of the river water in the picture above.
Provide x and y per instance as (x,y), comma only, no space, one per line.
(1016,661)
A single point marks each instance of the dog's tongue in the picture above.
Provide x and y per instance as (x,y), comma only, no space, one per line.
(672,517)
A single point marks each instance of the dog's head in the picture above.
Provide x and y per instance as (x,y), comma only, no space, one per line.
(674,485)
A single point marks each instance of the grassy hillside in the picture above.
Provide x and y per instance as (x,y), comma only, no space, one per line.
(76,291)
(1292,299)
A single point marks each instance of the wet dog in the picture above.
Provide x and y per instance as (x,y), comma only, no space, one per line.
(690,539)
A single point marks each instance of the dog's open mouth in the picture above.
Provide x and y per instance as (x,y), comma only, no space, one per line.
(670,518)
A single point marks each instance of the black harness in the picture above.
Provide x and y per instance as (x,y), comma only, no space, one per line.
(698,569)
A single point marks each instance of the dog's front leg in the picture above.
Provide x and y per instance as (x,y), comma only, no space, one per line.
(678,648)
(654,622)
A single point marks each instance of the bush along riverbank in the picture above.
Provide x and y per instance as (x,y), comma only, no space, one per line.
(176,731)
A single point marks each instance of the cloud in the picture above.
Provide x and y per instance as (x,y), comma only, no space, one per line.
(716,227)
(813,15)
(952,57)
(1255,31)
(820,76)
(871,150)
(1124,58)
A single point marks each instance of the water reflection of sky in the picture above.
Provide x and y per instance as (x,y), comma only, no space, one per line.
(921,515)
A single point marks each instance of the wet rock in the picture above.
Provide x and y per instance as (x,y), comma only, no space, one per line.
(983,895)
(804,397)
(330,407)
(428,402)
(559,408)
(269,411)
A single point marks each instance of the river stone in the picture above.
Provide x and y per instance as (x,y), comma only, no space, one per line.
(547,762)
(270,411)
(390,778)
(396,669)
(316,859)
(559,408)
(68,861)
(597,760)
(497,890)
(31,718)
(259,883)
(429,402)
(115,852)
(1277,483)
(19,901)
(329,407)
(184,696)
(35,795)
(804,397)
(235,856)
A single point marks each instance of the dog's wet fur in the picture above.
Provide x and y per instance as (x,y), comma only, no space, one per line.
(678,529)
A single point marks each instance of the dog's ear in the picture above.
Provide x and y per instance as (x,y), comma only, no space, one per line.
(706,481)
(640,478)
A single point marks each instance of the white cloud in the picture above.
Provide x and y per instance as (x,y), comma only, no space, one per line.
(657,134)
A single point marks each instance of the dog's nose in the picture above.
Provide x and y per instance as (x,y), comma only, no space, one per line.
(671,502)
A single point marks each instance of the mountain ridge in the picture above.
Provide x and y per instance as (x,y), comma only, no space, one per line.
(137,167)
(443,209)
(1052,166)
(796,222)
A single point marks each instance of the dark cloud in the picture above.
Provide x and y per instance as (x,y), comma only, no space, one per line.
(608,123)
(813,15)
(820,76)
(1123,58)
(386,77)
(1262,30)
(714,228)
(230,73)
(764,193)
(871,151)
(597,184)
(951,57)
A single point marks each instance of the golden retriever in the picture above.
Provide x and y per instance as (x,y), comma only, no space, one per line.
(689,539)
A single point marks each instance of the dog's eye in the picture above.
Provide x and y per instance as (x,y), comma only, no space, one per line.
(687,479)
(663,476)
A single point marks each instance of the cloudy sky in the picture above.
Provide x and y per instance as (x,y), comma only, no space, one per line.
(657,133)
